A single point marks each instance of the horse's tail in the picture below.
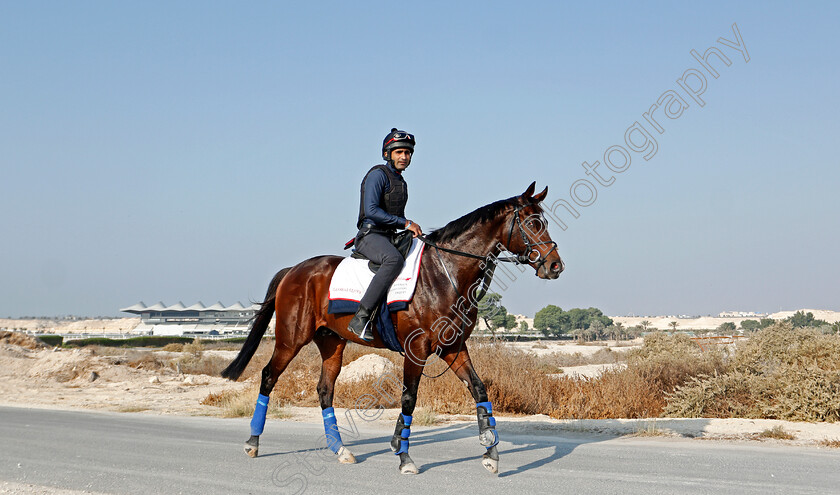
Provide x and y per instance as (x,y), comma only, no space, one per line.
(261,321)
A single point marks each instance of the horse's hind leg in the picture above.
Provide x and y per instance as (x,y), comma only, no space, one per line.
(280,359)
(332,350)
(460,363)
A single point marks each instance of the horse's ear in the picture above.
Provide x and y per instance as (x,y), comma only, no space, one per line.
(530,191)
(538,198)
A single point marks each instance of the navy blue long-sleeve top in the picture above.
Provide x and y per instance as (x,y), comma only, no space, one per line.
(375,186)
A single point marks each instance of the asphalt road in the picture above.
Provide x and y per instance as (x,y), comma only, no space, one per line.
(138,453)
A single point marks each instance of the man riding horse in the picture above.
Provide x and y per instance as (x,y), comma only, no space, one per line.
(384,194)
(447,292)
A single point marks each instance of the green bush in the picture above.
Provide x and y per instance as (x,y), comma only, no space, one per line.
(146,341)
(53,340)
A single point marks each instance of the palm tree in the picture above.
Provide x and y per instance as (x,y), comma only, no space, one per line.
(597,329)
(618,331)
(645,325)
(673,326)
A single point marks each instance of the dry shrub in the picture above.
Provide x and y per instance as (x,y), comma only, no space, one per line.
(173,347)
(425,417)
(718,396)
(206,365)
(671,360)
(778,433)
(601,356)
(780,347)
(134,358)
(194,362)
(832,443)
(779,373)
(21,340)
(120,354)
(650,429)
(195,349)
(516,382)
(145,360)
(221,345)
(241,403)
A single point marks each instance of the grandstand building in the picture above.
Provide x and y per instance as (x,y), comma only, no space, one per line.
(198,319)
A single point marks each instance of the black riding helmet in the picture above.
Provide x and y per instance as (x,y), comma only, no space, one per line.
(394,140)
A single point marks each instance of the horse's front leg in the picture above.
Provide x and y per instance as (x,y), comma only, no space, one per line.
(459,361)
(412,371)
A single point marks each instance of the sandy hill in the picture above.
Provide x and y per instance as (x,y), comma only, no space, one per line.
(711,322)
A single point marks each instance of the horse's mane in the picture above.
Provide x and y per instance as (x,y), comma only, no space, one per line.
(460,225)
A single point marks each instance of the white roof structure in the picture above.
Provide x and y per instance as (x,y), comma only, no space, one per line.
(135,308)
(179,307)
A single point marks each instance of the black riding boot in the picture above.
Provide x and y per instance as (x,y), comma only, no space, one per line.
(361,325)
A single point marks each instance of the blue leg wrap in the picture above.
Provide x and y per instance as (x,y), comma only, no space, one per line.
(404,434)
(258,421)
(331,430)
(487,434)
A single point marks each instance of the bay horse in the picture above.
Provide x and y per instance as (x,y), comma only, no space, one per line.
(466,251)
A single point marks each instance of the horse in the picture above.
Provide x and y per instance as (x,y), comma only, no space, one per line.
(438,320)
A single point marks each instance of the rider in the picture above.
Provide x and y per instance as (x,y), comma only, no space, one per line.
(384,194)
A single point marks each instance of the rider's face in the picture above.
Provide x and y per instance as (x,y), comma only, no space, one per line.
(401,158)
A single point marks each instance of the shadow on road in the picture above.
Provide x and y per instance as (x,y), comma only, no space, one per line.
(549,442)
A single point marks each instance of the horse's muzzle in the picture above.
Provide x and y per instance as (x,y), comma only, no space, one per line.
(550,270)
(555,268)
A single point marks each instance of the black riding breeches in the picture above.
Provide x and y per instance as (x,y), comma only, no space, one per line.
(378,248)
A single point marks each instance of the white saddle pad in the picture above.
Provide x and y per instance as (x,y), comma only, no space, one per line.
(352,277)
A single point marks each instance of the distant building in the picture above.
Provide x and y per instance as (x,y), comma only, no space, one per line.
(739,314)
(198,319)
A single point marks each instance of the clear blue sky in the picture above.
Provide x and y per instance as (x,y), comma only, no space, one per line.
(187,150)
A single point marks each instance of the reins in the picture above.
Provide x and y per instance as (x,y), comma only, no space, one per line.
(506,259)
(490,267)
(487,278)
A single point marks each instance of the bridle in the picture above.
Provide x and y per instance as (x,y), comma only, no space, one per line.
(519,259)
(491,262)
(530,247)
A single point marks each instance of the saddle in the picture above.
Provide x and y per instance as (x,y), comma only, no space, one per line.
(401,241)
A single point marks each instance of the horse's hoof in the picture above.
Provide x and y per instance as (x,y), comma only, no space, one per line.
(407,465)
(345,456)
(252,446)
(490,464)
